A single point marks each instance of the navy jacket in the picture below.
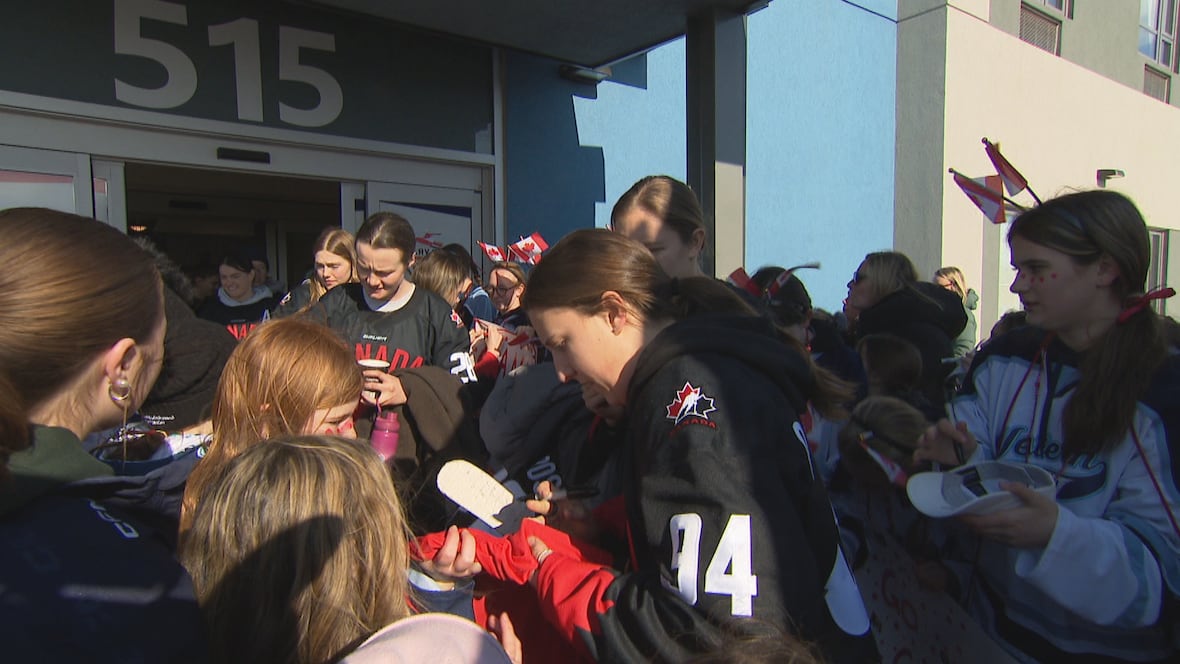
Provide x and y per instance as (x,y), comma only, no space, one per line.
(80,580)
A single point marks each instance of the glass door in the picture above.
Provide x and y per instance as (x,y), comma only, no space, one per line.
(439,215)
(46,178)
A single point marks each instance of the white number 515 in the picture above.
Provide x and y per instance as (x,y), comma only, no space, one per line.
(242,34)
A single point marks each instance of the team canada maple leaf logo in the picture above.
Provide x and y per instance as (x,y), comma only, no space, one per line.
(690,401)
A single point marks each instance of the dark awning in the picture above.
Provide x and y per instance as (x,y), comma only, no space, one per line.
(589,33)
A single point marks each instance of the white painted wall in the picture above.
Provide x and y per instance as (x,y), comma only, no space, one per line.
(1057,123)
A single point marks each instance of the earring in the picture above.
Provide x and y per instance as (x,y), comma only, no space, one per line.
(120,393)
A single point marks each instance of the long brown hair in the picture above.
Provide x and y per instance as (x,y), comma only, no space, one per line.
(1117,369)
(337,241)
(888,426)
(298,551)
(14,429)
(272,384)
(587,263)
(669,200)
(71,287)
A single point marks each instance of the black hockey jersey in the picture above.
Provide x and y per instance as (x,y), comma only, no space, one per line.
(239,319)
(423,332)
(730,524)
(294,301)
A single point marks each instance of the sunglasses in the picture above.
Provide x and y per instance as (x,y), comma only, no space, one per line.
(857,277)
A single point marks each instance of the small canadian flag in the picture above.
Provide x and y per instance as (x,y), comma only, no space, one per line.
(741,279)
(493,252)
(529,249)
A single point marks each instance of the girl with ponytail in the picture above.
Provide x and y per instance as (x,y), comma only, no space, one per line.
(81,343)
(1088,392)
(730,527)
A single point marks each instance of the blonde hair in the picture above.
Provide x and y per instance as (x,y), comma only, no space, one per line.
(337,241)
(514,269)
(887,272)
(955,276)
(273,383)
(298,551)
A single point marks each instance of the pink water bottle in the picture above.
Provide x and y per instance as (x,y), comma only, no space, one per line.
(385,433)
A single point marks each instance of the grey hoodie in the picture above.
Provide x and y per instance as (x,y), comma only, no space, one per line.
(965,342)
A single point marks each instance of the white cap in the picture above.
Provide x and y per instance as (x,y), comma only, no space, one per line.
(438,638)
(975,488)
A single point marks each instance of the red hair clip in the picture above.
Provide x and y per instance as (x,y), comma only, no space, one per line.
(1140,303)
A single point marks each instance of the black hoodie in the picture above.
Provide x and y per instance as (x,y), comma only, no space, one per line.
(727,517)
(926,315)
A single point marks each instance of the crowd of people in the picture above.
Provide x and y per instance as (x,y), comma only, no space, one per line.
(709,469)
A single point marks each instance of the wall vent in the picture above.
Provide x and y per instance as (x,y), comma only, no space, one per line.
(1040,30)
(1156,84)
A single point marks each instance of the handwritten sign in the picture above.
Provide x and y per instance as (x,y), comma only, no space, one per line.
(914,625)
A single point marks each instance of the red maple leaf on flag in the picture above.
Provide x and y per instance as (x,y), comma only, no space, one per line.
(493,252)
(690,401)
(529,249)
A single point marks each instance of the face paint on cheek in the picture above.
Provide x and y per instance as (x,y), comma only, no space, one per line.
(329,431)
(347,426)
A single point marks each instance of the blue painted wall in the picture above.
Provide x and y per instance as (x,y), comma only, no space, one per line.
(639,120)
(572,149)
(552,182)
(821,89)
(820,133)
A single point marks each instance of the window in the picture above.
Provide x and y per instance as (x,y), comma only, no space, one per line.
(1157,84)
(1157,30)
(1063,6)
(1158,271)
(1040,30)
